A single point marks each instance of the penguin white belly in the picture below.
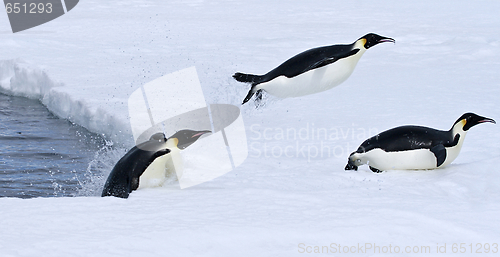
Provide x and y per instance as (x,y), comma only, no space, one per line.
(167,166)
(452,152)
(156,173)
(419,159)
(313,81)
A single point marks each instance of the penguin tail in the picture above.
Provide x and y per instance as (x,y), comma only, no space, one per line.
(250,78)
(247,78)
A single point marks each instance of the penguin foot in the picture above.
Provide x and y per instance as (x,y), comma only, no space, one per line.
(259,103)
(258,96)
(375,170)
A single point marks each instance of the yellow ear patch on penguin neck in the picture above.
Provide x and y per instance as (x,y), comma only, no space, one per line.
(360,43)
(172,142)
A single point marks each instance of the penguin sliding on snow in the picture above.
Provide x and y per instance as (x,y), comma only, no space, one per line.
(148,160)
(414,147)
(312,71)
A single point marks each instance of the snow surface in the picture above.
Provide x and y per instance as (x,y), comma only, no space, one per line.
(292,192)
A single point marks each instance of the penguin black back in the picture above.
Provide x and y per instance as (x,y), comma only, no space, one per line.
(124,178)
(408,138)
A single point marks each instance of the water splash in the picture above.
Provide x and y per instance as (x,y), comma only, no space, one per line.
(98,170)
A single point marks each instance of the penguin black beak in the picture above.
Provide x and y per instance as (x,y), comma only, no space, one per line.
(188,137)
(387,39)
(350,166)
(201,133)
(487,120)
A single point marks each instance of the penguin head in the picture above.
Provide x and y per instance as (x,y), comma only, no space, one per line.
(160,137)
(187,137)
(353,162)
(468,120)
(372,39)
(155,143)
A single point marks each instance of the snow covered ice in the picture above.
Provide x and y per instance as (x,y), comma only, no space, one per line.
(291,194)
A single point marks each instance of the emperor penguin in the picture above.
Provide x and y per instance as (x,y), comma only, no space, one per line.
(149,163)
(312,71)
(414,147)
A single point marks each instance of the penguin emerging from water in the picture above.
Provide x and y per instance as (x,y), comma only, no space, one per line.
(414,147)
(312,71)
(148,161)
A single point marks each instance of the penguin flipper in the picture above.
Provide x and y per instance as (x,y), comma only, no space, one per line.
(134,181)
(375,170)
(329,60)
(161,153)
(440,152)
(321,63)
(134,184)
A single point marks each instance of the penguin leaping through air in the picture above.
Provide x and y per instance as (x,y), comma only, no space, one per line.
(414,147)
(149,163)
(312,71)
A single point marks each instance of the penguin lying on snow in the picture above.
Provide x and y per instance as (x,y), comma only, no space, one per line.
(312,71)
(414,147)
(147,159)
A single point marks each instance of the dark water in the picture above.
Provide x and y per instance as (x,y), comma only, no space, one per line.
(40,154)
